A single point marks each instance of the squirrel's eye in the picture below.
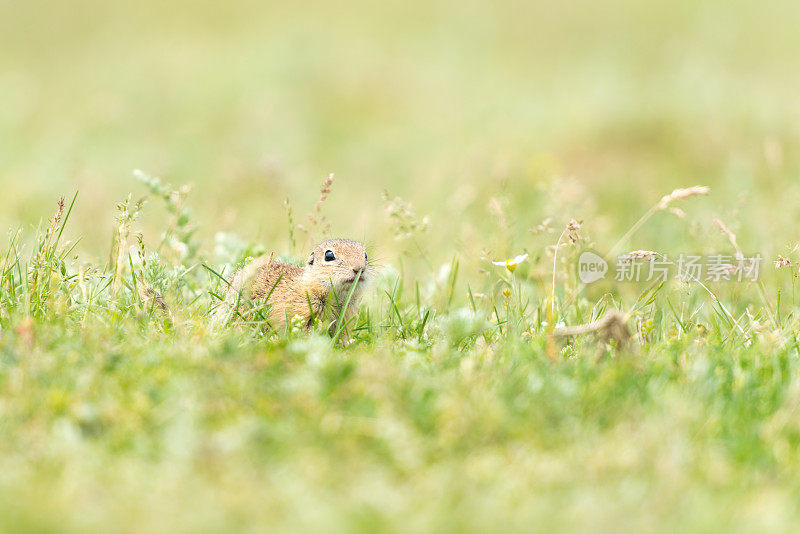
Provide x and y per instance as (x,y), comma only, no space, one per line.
(329,255)
(365,256)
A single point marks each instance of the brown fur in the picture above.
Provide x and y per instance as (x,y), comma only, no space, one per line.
(289,291)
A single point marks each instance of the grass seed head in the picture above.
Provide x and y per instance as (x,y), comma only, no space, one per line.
(728,233)
(681,194)
(782,262)
(640,255)
(572,230)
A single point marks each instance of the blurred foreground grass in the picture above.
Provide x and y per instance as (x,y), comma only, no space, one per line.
(451,411)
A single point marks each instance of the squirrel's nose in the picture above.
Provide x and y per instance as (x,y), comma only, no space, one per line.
(358,269)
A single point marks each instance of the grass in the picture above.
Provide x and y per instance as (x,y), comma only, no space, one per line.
(459,134)
(447,410)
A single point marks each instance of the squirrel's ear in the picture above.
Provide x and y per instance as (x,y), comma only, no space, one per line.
(311,259)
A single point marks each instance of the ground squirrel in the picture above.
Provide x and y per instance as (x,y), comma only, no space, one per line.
(288,290)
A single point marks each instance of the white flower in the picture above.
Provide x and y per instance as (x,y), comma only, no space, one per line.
(511,264)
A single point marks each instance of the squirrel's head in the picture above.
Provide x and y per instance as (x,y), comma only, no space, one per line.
(338,262)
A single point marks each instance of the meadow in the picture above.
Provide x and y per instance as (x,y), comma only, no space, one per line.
(163,144)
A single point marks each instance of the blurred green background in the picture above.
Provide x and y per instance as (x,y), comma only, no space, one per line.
(589,109)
